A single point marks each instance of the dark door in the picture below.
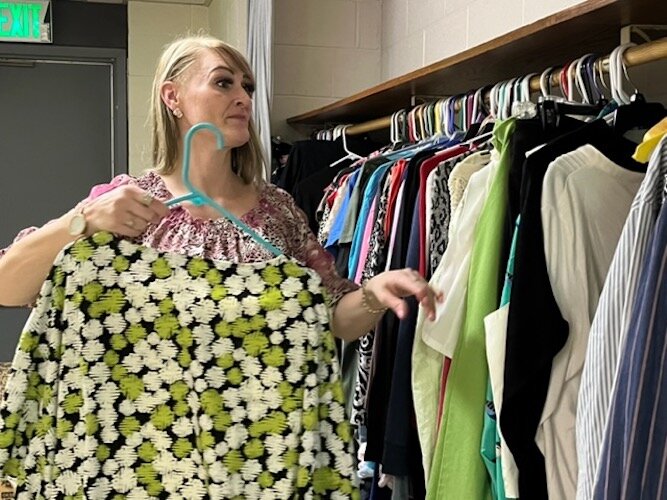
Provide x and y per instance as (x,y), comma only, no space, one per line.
(56,141)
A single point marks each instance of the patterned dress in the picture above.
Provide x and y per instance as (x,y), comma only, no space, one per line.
(148,374)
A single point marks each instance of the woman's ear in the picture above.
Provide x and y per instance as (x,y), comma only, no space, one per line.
(169,95)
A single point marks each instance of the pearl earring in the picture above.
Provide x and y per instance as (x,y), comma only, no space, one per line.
(178,113)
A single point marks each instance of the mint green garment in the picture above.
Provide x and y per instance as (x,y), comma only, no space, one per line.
(458,470)
(491,441)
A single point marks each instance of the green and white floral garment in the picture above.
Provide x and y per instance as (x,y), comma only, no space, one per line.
(143,374)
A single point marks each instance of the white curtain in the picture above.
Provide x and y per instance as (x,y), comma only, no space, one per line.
(260,34)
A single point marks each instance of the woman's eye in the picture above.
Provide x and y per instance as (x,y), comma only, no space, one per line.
(225,83)
(249,88)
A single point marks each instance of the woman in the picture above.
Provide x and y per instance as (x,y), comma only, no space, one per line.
(214,434)
(201,79)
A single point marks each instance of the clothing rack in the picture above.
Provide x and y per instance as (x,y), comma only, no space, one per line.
(634,56)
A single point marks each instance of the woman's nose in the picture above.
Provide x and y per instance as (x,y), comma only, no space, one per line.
(242,97)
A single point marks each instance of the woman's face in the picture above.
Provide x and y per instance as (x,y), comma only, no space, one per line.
(212,91)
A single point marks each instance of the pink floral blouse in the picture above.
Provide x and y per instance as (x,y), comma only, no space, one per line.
(276,218)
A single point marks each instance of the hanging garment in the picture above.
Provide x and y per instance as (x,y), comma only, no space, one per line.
(384,345)
(460,175)
(436,238)
(338,195)
(357,198)
(532,305)
(308,192)
(385,342)
(374,265)
(585,202)
(497,457)
(612,318)
(311,156)
(401,454)
(451,275)
(338,223)
(634,454)
(374,184)
(458,470)
(427,361)
(144,373)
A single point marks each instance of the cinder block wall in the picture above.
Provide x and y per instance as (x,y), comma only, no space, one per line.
(416,33)
(323,50)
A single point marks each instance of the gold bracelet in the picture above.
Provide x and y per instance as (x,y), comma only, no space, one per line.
(366,305)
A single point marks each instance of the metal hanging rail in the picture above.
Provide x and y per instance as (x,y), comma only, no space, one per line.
(634,56)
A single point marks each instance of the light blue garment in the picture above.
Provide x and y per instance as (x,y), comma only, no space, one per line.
(370,192)
(339,221)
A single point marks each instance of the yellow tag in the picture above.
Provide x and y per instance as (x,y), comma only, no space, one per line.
(651,139)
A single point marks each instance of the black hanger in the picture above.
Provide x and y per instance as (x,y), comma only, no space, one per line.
(639,114)
(471,132)
(551,111)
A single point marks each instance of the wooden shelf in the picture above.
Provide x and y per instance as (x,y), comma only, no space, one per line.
(592,26)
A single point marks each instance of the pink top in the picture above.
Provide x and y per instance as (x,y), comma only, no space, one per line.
(276,218)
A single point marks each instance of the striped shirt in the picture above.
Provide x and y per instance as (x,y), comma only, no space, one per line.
(633,463)
(611,321)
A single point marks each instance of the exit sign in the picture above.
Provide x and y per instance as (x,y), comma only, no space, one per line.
(26,21)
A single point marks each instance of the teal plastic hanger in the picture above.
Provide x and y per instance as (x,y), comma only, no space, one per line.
(198,198)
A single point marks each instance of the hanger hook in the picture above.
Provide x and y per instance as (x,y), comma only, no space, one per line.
(508,89)
(502,95)
(526,85)
(352,155)
(492,101)
(402,122)
(617,70)
(429,119)
(513,91)
(478,104)
(423,121)
(197,200)
(599,71)
(545,81)
(625,68)
(579,80)
(588,78)
(476,98)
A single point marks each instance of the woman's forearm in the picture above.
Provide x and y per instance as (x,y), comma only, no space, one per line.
(27,263)
(351,319)
(358,312)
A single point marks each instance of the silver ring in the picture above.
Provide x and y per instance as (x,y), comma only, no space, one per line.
(146,199)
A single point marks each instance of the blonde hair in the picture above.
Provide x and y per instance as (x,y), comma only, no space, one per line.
(247,160)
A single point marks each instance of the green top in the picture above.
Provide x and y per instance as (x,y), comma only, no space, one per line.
(458,470)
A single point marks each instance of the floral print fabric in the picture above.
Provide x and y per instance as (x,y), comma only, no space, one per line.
(144,374)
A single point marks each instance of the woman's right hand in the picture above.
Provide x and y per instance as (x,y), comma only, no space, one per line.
(126,211)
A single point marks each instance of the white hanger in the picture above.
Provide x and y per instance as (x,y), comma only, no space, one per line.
(393,129)
(617,70)
(350,155)
(544,81)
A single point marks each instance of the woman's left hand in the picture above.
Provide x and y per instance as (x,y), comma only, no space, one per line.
(388,289)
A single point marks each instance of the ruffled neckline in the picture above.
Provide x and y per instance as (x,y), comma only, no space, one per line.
(158,188)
